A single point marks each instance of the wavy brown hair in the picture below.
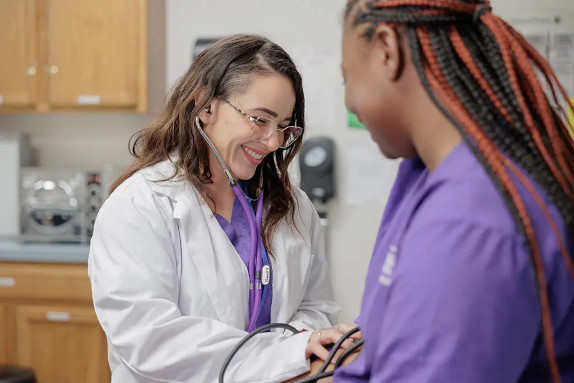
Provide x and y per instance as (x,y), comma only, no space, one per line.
(482,74)
(223,69)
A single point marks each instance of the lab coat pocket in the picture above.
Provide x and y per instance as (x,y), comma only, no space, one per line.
(292,255)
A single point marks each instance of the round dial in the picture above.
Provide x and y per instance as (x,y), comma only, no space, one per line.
(315,156)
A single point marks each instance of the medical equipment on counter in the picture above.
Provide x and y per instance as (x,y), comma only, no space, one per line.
(259,274)
(61,204)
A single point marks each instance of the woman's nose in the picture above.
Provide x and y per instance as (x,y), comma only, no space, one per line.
(272,142)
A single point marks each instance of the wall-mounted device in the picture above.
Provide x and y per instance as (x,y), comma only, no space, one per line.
(317,165)
(200,45)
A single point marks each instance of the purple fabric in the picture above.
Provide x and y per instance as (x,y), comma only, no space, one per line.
(238,233)
(450,294)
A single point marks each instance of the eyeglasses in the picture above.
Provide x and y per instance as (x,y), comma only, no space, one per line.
(263,128)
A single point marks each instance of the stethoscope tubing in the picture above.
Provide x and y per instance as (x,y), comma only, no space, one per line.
(255,263)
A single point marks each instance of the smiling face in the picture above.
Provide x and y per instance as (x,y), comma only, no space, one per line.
(375,83)
(269,96)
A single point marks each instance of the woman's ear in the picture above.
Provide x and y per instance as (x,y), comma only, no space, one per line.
(206,115)
(388,51)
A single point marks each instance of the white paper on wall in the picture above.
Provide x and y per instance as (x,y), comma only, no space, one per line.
(552,34)
(369,175)
(322,81)
(562,59)
(539,41)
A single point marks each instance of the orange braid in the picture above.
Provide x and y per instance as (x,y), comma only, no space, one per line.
(540,103)
(494,159)
(541,132)
(548,73)
(451,5)
(466,57)
(532,190)
(529,120)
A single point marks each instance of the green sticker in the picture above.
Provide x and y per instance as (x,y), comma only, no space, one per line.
(353,121)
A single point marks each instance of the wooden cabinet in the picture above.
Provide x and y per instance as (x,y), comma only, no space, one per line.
(47,322)
(62,343)
(93,54)
(18,53)
(70,55)
(3,336)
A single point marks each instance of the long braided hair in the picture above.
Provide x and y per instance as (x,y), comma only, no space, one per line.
(504,99)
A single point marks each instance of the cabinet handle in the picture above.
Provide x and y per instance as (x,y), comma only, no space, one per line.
(58,316)
(7,282)
(31,71)
(52,69)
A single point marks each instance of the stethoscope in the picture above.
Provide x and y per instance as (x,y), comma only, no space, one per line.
(259,273)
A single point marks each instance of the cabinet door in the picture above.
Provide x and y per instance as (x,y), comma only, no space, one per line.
(95,53)
(62,344)
(17,53)
(3,336)
(7,334)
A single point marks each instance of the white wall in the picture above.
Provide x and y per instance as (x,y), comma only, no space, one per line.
(511,8)
(310,31)
(82,140)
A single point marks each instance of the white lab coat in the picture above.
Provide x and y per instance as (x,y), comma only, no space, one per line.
(171,292)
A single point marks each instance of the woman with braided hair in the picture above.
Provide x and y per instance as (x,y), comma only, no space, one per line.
(472,275)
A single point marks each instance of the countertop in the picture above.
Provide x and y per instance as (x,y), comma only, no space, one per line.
(12,250)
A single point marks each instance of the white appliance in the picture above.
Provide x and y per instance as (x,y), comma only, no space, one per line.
(61,205)
(14,154)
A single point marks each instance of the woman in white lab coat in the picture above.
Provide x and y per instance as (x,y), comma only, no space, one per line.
(168,261)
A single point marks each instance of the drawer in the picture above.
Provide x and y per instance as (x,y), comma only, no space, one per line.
(45,281)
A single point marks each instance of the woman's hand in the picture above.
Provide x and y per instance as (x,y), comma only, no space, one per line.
(320,338)
(317,364)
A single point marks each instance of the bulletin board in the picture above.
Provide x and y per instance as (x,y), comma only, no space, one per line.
(552,35)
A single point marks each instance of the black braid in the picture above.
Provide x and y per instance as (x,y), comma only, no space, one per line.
(514,139)
(466,99)
(473,41)
(495,56)
(539,169)
(511,143)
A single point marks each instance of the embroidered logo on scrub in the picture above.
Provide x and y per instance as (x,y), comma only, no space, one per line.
(386,276)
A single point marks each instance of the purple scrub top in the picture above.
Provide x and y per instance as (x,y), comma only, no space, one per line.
(450,293)
(239,235)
